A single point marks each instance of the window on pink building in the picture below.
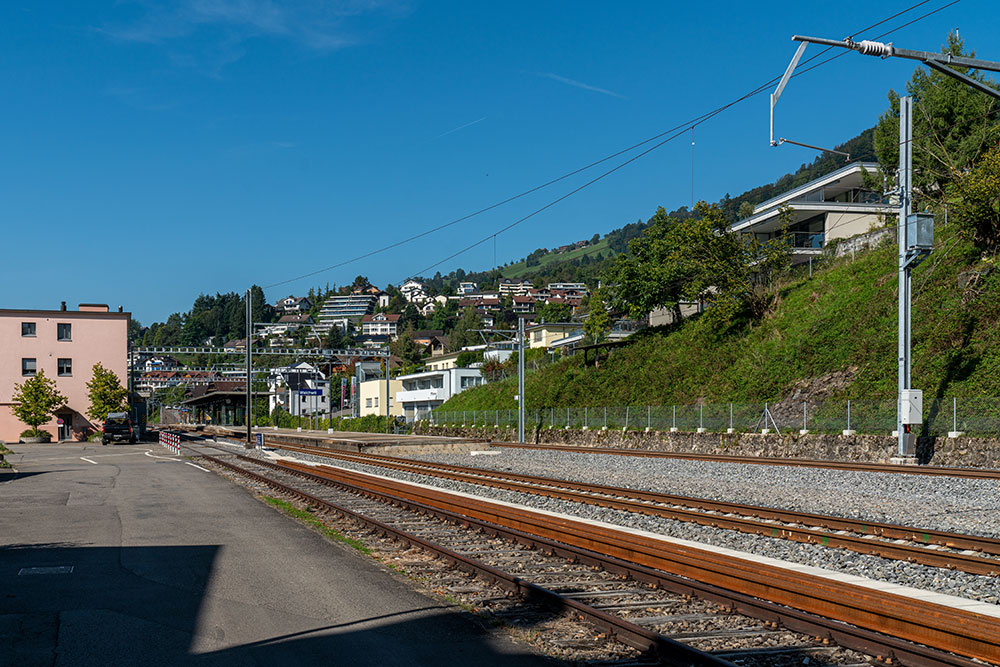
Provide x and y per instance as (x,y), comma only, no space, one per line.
(28,329)
(64,331)
(28,367)
(65,367)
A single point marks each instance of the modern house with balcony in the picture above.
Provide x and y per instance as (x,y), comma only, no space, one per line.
(423,392)
(834,206)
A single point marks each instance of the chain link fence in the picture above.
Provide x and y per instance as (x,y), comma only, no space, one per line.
(969,416)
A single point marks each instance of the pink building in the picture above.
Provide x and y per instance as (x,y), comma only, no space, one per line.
(65,344)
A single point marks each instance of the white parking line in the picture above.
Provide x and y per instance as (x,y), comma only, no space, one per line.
(88,460)
(194,465)
(154,456)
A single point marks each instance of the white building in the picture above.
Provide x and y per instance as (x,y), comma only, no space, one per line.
(380,324)
(576,287)
(413,291)
(834,206)
(423,392)
(294,304)
(466,288)
(299,389)
(514,287)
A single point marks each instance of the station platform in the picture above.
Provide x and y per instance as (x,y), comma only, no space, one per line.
(124,555)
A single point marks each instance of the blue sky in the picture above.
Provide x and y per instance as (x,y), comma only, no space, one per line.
(152,152)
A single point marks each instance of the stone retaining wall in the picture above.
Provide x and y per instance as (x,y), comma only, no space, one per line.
(975,452)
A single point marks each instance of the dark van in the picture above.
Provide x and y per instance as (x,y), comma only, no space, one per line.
(117,428)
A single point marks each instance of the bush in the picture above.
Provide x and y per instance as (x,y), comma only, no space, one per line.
(35,433)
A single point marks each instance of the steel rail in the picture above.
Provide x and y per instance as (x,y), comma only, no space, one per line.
(937,471)
(874,643)
(639,501)
(668,651)
(945,628)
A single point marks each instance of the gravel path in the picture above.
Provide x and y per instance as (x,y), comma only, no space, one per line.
(960,505)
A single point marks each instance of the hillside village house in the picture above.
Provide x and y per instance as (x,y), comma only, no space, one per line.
(294,304)
(380,324)
(285,388)
(65,344)
(413,291)
(834,206)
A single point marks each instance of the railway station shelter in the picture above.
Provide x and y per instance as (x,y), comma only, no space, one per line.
(220,403)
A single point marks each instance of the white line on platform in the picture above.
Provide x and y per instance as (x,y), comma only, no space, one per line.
(84,458)
(195,465)
(150,454)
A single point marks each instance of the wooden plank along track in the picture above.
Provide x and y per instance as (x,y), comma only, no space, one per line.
(668,651)
(942,627)
(665,506)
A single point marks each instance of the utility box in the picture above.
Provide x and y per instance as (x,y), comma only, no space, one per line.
(911,407)
(920,232)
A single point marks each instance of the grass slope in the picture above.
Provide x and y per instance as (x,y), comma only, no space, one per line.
(595,251)
(843,318)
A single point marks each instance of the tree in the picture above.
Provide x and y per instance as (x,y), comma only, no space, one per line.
(953,125)
(106,393)
(698,260)
(464,332)
(977,203)
(554,311)
(36,401)
(406,348)
(745,210)
(598,322)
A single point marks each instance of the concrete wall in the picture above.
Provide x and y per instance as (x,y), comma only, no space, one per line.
(974,452)
(846,225)
(96,337)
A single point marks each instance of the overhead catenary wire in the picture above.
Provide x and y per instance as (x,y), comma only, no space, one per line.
(690,124)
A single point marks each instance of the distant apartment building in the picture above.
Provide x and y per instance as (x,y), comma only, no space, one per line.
(466,288)
(423,392)
(65,344)
(380,324)
(347,306)
(514,287)
(577,287)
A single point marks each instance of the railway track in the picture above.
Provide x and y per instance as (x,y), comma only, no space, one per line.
(642,561)
(934,471)
(968,553)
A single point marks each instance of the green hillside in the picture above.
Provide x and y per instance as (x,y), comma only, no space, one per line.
(595,251)
(839,323)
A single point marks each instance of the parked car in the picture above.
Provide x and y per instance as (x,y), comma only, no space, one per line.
(117,427)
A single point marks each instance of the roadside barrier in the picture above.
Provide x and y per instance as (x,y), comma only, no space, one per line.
(171,441)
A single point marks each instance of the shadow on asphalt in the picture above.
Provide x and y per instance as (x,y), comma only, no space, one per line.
(142,605)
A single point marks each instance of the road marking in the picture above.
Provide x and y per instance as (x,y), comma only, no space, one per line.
(59,569)
(154,456)
(84,458)
(195,465)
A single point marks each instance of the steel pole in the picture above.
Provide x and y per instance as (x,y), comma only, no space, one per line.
(249,333)
(520,379)
(905,197)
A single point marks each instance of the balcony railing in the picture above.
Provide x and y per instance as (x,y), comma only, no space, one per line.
(810,240)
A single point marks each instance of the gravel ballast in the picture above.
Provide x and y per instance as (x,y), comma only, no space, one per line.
(939,503)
